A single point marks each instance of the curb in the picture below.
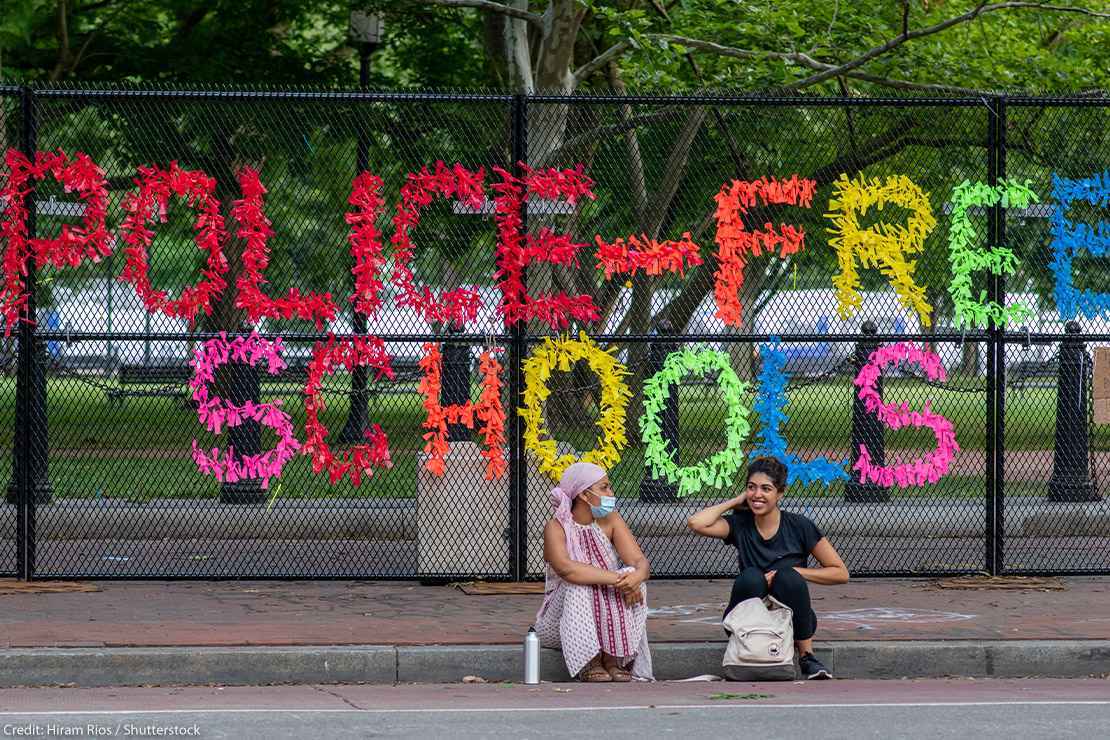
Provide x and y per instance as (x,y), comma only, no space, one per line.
(388,664)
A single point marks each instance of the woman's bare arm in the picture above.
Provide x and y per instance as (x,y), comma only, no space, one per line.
(571,571)
(627,547)
(630,553)
(708,522)
(832,572)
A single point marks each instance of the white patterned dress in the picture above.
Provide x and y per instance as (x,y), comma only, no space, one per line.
(586,620)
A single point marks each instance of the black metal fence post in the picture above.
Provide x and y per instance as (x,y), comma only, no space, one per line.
(518,347)
(866,428)
(996,352)
(1071,462)
(30,413)
(659,489)
(30,483)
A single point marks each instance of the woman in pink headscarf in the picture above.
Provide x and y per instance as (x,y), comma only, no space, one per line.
(595,601)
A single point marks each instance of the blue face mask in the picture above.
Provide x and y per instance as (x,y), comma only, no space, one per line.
(607,506)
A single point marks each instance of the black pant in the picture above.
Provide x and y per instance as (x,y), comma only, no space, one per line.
(788,587)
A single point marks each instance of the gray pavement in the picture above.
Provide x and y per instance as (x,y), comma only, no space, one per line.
(242,632)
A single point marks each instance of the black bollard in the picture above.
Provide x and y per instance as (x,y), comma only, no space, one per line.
(659,489)
(239,382)
(1071,458)
(30,410)
(455,385)
(354,428)
(866,429)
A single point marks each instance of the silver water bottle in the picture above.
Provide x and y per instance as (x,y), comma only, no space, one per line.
(531,657)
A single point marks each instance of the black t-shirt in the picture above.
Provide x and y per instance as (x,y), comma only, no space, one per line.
(789,548)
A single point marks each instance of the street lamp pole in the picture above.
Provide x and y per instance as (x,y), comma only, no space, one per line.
(365,33)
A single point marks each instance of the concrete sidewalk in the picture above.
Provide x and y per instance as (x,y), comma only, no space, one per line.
(241,632)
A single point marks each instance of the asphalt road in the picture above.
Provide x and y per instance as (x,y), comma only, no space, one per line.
(837,709)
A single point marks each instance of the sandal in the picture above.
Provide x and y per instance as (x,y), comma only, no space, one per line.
(618,674)
(595,672)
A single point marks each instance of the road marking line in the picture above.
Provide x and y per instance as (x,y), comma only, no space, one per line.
(626,707)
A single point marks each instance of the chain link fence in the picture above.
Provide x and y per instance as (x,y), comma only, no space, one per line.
(97,424)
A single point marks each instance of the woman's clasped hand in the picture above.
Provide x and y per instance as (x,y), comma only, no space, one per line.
(628,583)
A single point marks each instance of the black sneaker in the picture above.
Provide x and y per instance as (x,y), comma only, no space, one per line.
(812,668)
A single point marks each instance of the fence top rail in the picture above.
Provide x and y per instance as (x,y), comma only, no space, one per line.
(706,97)
(246,94)
(203,336)
(758,99)
(939,338)
(1101,99)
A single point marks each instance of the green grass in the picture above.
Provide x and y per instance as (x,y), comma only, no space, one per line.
(820,416)
(139,448)
(133,479)
(82,417)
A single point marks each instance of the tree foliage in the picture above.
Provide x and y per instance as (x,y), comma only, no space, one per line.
(657,167)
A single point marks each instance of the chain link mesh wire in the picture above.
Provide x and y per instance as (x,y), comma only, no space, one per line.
(662,184)
(657,167)
(135,503)
(930,529)
(128,499)
(1055,454)
(129,502)
(1055,510)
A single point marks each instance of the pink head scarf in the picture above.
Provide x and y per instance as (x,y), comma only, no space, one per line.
(576,479)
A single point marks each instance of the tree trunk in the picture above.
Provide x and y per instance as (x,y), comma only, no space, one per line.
(681,308)
(518,55)
(547,125)
(969,360)
(224,168)
(637,180)
(553,74)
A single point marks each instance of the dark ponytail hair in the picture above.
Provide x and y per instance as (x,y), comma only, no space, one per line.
(772,467)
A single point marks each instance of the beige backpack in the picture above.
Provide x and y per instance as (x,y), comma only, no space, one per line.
(761,641)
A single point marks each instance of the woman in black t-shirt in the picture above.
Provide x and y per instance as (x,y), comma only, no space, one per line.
(773,548)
